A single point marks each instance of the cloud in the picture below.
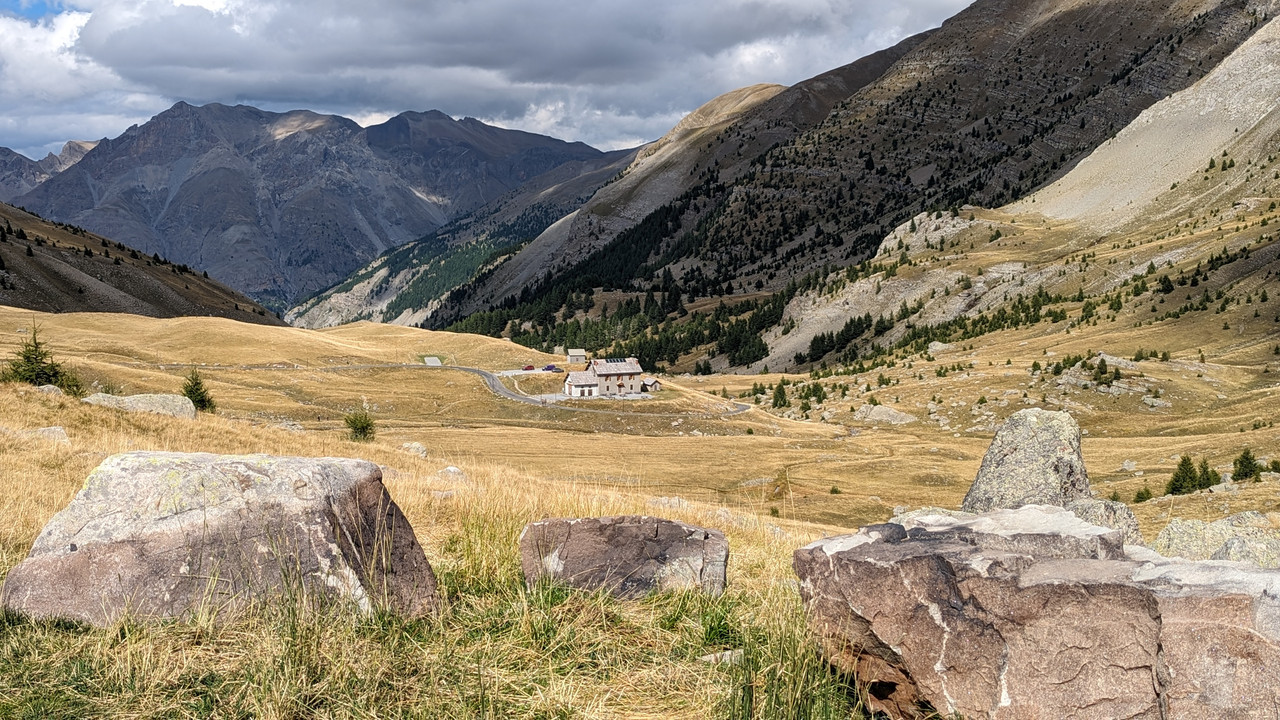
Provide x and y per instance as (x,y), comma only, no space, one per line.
(610,74)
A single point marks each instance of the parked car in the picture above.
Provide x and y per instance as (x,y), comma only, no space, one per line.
(550,368)
(527,367)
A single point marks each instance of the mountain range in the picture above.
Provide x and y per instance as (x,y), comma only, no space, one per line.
(772,227)
(282,205)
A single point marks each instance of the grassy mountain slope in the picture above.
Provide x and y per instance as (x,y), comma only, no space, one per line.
(721,138)
(53,267)
(405,284)
(980,110)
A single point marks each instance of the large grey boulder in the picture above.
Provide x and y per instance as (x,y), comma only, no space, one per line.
(1034,459)
(157,534)
(1247,537)
(630,555)
(176,405)
(1033,613)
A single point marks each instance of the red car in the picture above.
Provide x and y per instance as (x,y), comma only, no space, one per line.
(527,367)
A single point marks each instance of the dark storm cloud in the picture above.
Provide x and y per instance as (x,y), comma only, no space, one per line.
(608,73)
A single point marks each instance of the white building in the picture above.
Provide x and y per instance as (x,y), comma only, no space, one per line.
(603,378)
(581,384)
(576,356)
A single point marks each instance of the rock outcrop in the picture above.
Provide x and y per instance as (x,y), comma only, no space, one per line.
(882,414)
(176,405)
(630,555)
(167,534)
(1034,459)
(1246,537)
(1033,613)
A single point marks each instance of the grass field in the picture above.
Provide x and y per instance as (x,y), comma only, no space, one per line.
(771,483)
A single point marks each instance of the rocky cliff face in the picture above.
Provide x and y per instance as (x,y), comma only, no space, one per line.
(19,174)
(282,205)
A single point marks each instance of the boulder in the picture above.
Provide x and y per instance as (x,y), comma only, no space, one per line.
(1109,514)
(629,556)
(1198,540)
(1034,459)
(1033,613)
(175,405)
(50,390)
(56,434)
(882,414)
(156,534)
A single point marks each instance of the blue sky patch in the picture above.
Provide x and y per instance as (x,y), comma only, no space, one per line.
(30,9)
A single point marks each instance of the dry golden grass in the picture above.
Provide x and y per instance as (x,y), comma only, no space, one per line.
(499,650)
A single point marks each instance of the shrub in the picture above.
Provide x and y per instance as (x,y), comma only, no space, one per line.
(360,423)
(196,392)
(33,363)
(1143,495)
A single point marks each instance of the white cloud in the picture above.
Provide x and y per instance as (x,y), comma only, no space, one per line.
(606,73)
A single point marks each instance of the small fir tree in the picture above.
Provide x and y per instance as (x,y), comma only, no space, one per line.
(780,396)
(197,393)
(1246,467)
(1208,476)
(33,363)
(1184,479)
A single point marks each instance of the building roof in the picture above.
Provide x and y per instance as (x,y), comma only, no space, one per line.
(577,351)
(614,366)
(582,379)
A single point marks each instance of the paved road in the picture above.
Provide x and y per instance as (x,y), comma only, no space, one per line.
(491,380)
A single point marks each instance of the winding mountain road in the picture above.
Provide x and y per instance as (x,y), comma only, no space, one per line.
(494,383)
(491,381)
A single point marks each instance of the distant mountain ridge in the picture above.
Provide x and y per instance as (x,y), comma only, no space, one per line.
(20,174)
(282,205)
(55,267)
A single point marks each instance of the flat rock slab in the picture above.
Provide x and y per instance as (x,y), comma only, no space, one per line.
(163,534)
(175,405)
(630,555)
(1033,613)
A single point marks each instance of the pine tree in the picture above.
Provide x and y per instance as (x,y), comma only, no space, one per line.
(1245,467)
(1208,477)
(196,392)
(1184,479)
(780,396)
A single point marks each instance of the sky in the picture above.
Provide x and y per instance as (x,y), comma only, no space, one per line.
(610,73)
